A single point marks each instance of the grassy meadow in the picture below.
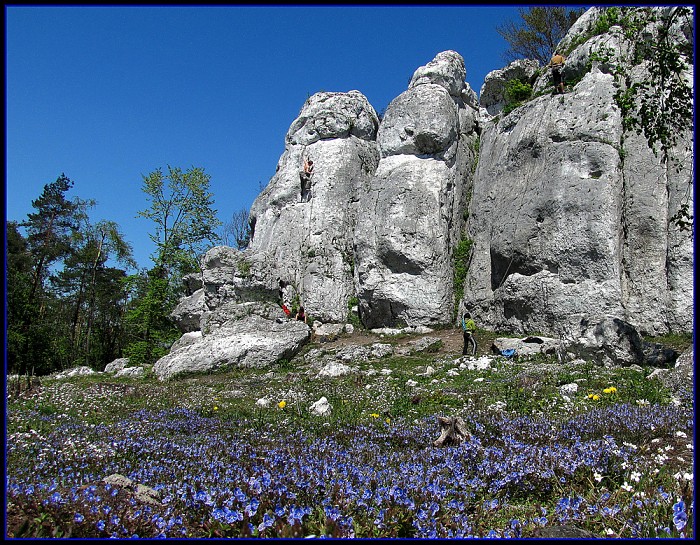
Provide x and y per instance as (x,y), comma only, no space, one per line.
(612,455)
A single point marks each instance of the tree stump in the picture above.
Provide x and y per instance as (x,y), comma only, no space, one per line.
(453,431)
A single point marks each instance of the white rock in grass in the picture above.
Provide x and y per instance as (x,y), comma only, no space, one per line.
(130,372)
(334,369)
(411,383)
(321,407)
(571,388)
(263,403)
(78,371)
(453,373)
(498,406)
(116,365)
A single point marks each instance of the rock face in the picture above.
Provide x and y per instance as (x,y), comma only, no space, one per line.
(566,212)
(414,205)
(565,226)
(310,244)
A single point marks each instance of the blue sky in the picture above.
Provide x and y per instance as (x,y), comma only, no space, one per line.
(107,95)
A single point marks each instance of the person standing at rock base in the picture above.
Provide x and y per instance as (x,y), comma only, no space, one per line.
(285,299)
(305,176)
(468,329)
(557,64)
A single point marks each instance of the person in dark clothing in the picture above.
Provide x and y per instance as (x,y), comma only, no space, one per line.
(305,176)
(301,315)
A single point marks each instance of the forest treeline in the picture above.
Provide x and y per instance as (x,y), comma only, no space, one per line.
(72,297)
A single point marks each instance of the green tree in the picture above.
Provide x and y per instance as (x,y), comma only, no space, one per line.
(20,312)
(181,208)
(50,228)
(77,285)
(185,227)
(150,331)
(538,33)
(49,234)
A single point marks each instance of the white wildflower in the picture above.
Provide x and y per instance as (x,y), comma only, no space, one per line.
(681,434)
(627,487)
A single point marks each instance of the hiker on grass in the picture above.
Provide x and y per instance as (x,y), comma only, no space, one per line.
(305,176)
(557,64)
(468,329)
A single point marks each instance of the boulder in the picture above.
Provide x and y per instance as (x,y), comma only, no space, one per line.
(321,407)
(250,342)
(334,369)
(75,372)
(527,346)
(116,365)
(130,372)
(607,341)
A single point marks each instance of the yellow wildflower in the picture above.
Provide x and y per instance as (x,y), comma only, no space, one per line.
(374,415)
(610,390)
(282,404)
(216,408)
(595,397)
(388,420)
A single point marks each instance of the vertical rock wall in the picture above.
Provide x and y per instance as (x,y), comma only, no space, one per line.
(310,243)
(570,214)
(411,216)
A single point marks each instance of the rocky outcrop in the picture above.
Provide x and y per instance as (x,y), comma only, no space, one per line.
(570,213)
(310,244)
(492,97)
(413,220)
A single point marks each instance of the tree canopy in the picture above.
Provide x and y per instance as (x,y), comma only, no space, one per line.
(538,33)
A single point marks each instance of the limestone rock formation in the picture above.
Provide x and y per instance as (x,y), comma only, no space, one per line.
(570,213)
(414,205)
(311,244)
(567,214)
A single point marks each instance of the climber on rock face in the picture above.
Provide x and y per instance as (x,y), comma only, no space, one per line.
(305,176)
(556,64)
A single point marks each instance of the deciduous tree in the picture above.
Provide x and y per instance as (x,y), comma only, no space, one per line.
(538,33)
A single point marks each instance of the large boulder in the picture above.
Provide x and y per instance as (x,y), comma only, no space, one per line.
(250,342)
(413,220)
(607,341)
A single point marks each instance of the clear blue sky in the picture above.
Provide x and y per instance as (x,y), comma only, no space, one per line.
(107,95)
